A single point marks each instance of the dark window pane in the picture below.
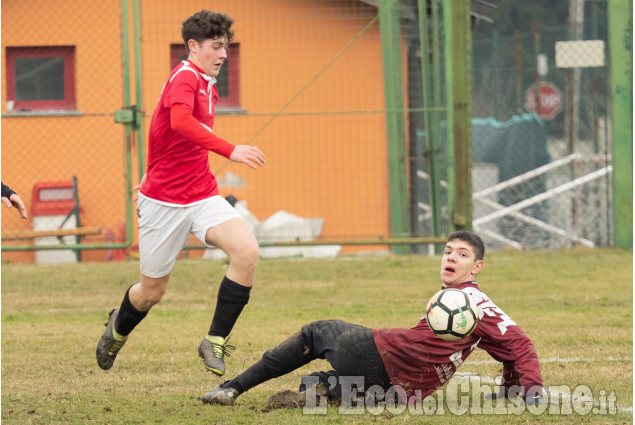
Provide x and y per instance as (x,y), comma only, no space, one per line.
(222,79)
(39,78)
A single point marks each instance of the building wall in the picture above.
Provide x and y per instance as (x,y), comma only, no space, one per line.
(51,148)
(325,147)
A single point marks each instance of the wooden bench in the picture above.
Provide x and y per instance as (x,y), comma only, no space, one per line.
(32,234)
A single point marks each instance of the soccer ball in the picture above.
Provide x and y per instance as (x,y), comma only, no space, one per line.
(452,314)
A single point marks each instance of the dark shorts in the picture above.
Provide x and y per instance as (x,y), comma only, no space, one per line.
(349,348)
(351,351)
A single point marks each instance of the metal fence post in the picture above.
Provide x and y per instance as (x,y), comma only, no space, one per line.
(395,123)
(458,56)
(621,49)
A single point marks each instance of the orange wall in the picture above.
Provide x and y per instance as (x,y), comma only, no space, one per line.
(90,146)
(321,162)
(284,44)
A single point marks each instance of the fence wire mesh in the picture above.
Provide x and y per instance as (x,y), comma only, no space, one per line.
(304,82)
(62,81)
(569,202)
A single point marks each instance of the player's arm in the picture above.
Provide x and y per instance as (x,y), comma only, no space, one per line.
(183,122)
(506,342)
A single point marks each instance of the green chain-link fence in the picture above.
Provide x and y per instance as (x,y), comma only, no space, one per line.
(304,81)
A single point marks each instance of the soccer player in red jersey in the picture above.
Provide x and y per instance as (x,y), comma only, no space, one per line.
(414,359)
(179,195)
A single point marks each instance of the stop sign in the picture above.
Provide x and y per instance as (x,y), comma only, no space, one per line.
(549,102)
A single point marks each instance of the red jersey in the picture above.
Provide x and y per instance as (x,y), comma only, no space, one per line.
(178,168)
(417,359)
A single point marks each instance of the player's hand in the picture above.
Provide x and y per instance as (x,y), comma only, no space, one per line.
(137,187)
(534,397)
(530,400)
(533,400)
(15,201)
(512,392)
(248,155)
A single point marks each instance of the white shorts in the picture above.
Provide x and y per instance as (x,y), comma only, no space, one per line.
(164,229)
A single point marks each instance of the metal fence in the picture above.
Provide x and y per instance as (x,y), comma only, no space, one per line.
(303,81)
(62,81)
(561,74)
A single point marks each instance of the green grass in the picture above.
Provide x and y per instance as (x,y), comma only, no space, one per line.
(576,306)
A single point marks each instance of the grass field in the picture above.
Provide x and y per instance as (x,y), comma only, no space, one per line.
(576,306)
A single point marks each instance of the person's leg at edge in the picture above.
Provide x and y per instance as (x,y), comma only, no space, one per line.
(235,239)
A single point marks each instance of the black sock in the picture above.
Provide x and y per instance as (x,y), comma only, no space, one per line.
(232,298)
(128,316)
(233,384)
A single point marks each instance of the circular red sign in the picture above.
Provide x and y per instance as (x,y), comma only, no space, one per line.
(549,100)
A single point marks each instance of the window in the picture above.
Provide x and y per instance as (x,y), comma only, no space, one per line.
(227,80)
(40,78)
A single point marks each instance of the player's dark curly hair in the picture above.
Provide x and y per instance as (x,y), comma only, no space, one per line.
(206,24)
(472,239)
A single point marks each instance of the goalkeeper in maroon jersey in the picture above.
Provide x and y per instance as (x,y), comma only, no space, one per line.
(414,359)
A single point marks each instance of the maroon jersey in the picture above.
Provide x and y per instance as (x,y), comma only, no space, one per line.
(417,359)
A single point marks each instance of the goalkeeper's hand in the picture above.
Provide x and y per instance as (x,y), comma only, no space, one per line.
(533,398)
(512,392)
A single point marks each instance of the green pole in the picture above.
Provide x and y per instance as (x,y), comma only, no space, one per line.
(128,127)
(436,61)
(138,86)
(621,66)
(449,110)
(426,95)
(430,120)
(395,123)
(595,35)
(435,141)
(496,74)
(125,40)
(125,36)
(459,82)
(518,71)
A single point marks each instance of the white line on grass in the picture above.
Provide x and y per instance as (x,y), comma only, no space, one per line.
(559,360)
